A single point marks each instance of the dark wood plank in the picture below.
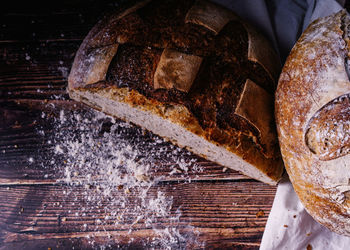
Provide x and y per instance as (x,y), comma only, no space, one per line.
(61,20)
(35,70)
(24,134)
(210,214)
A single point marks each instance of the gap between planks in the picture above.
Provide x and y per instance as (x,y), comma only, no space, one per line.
(238,178)
(12,237)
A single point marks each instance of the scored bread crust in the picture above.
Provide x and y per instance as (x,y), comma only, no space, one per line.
(312,114)
(253,150)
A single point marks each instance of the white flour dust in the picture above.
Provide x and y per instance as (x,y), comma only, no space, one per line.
(119,171)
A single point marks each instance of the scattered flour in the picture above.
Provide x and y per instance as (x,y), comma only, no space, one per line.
(63,70)
(115,166)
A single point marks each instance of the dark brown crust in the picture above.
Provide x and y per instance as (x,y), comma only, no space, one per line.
(142,37)
(224,70)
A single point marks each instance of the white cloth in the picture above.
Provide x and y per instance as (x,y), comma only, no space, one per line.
(289,226)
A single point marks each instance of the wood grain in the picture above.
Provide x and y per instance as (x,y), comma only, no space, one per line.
(20,140)
(221,211)
(50,21)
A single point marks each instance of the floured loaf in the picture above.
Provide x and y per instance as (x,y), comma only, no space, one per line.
(313,120)
(189,71)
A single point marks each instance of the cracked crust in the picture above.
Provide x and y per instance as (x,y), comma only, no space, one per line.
(171,67)
(312,129)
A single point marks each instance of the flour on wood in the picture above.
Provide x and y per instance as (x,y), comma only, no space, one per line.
(114,164)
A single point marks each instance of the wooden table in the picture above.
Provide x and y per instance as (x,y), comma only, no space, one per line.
(220,208)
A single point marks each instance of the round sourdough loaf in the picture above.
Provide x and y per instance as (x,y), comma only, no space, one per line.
(313,120)
(190,71)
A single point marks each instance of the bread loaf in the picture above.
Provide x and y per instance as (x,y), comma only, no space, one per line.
(313,120)
(189,71)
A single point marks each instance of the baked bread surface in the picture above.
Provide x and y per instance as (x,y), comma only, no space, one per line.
(190,71)
(312,115)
